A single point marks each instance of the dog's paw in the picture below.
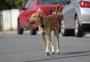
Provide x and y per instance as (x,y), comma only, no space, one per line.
(53,53)
(47,54)
(58,53)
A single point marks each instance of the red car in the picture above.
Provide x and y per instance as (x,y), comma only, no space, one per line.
(48,6)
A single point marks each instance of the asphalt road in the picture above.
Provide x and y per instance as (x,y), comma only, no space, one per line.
(26,48)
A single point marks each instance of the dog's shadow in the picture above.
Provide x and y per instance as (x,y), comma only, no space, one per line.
(63,56)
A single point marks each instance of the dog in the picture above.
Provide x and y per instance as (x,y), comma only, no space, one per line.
(46,25)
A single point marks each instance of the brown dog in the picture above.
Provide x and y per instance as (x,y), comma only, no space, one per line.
(47,24)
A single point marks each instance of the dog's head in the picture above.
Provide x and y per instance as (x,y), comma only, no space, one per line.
(35,18)
(39,19)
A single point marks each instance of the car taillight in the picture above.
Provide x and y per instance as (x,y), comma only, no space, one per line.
(85,4)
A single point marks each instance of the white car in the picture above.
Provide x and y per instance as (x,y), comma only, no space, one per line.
(76,17)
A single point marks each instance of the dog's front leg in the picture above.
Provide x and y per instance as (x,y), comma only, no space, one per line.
(52,47)
(40,30)
(47,45)
(44,39)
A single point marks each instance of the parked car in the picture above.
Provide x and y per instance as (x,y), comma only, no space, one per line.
(48,6)
(76,18)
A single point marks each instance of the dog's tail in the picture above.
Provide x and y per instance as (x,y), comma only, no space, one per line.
(59,8)
(58,14)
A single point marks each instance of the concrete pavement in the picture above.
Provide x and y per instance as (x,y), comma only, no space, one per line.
(26,48)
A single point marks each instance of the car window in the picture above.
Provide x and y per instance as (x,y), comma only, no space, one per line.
(52,1)
(30,4)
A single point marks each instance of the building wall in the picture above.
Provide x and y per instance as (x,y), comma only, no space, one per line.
(8,19)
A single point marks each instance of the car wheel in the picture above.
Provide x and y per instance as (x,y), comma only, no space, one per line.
(63,31)
(78,29)
(66,32)
(32,31)
(19,29)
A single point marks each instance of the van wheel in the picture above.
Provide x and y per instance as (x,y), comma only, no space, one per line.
(78,29)
(66,32)
(32,31)
(19,29)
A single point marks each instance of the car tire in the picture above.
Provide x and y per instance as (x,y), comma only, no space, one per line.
(19,29)
(32,31)
(78,29)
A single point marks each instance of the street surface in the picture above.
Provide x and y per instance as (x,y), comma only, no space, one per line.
(27,48)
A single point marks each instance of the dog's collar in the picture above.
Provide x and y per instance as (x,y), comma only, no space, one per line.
(45,26)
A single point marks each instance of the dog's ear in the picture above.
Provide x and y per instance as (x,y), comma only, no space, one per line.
(30,18)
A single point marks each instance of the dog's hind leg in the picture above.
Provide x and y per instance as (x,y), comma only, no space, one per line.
(56,33)
(59,47)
